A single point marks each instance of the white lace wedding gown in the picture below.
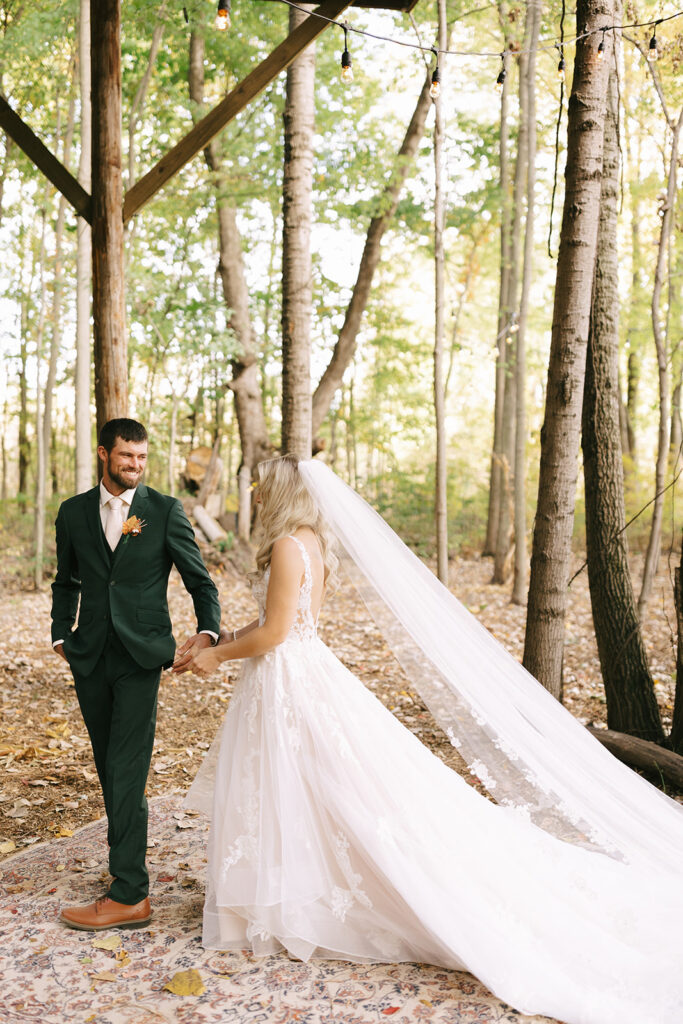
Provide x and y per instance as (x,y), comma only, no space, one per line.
(336,833)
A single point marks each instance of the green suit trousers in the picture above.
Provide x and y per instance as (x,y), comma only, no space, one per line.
(118,701)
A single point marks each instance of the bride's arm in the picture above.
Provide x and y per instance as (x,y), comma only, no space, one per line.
(286,571)
(227,636)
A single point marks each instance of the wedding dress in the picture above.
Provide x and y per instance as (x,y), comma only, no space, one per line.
(335,833)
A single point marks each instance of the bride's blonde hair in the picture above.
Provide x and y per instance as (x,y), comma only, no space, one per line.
(285,506)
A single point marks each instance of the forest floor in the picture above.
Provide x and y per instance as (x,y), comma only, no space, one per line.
(49,783)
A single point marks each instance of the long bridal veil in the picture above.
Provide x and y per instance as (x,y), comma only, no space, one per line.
(529,752)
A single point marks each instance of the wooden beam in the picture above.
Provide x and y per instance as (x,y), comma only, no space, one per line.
(206,129)
(43,159)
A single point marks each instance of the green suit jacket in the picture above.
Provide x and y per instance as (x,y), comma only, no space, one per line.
(126,587)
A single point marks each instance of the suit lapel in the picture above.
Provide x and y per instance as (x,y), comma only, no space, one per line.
(138,508)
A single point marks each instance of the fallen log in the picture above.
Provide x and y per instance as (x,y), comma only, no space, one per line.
(644,754)
(208,525)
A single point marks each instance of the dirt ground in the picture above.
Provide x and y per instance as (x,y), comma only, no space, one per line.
(49,785)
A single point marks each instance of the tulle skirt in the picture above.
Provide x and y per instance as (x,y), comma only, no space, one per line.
(335,833)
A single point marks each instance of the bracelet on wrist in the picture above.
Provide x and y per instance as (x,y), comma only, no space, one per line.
(234,635)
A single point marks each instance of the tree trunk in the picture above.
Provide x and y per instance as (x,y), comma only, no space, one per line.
(171,483)
(551,551)
(655,541)
(41,451)
(642,754)
(109,311)
(676,435)
(677,721)
(245,383)
(441,476)
(496,474)
(631,704)
(345,346)
(503,554)
(138,103)
(55,343)
(297,290)
(528,99)
(633,379)
(83,373)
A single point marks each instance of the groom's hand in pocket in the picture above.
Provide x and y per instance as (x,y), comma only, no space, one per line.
(59,648)
(193,645)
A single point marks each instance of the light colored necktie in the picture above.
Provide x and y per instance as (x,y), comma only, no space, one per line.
(114,522)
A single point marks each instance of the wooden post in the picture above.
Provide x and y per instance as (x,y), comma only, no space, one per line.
(109,313)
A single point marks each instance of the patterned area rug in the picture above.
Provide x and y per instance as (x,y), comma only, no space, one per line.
(52,975)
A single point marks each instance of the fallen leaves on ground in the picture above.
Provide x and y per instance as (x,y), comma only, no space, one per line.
(186,983)
(50,786)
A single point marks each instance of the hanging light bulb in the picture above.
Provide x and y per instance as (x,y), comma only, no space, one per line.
(222,22)
(435,87)
(653,53)
(502,74)
(346,69)
(601,47)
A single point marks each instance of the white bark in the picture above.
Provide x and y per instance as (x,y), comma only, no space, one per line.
(84,456)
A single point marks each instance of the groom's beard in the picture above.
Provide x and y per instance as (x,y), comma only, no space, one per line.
(126,478)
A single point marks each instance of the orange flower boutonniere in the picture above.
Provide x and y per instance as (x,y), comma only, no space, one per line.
(133,525)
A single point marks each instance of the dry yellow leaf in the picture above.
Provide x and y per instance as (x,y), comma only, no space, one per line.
(7,846)
(104,976)
(110,942)
(186,983)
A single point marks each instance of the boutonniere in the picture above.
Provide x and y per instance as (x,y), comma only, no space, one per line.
(133,526)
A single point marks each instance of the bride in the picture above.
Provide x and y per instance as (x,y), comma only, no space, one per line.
(335,833)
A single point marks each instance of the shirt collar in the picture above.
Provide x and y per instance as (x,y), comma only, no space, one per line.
(126,497)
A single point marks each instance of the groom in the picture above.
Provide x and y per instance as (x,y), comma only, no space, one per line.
(116,545)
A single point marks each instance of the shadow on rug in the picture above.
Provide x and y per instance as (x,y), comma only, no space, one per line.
(54,975)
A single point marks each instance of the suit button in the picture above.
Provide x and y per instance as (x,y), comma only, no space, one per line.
(112,583)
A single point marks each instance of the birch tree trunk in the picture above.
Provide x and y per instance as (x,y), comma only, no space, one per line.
(496,478)
(297,285)
(631,704)
(245,384)
(345,346)
(502,562)
(658,330)
(441,477)
(528,98)
(45,442)
(41,449)
(551,553)
(82,383)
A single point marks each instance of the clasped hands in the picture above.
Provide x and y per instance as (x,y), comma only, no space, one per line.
(198,656)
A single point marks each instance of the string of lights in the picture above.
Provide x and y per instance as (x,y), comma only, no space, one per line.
(223,22)
(550,44)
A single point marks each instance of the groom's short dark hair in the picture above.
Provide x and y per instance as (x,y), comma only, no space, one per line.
(127,430)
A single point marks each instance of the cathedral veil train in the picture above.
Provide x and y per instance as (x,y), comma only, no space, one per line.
(336,833)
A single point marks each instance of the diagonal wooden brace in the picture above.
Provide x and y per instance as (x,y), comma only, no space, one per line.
(206,129)
(44,160)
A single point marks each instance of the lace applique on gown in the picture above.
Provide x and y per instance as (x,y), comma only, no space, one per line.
(336,833)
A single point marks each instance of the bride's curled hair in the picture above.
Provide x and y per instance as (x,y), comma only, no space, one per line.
(285,506)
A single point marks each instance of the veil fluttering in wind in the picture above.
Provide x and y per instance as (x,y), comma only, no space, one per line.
(528,750)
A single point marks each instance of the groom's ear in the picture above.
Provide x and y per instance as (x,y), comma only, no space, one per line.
(101,453)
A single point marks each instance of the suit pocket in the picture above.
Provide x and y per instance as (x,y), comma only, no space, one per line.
(152,617)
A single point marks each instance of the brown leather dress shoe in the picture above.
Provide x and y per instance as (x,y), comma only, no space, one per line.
(107,913)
